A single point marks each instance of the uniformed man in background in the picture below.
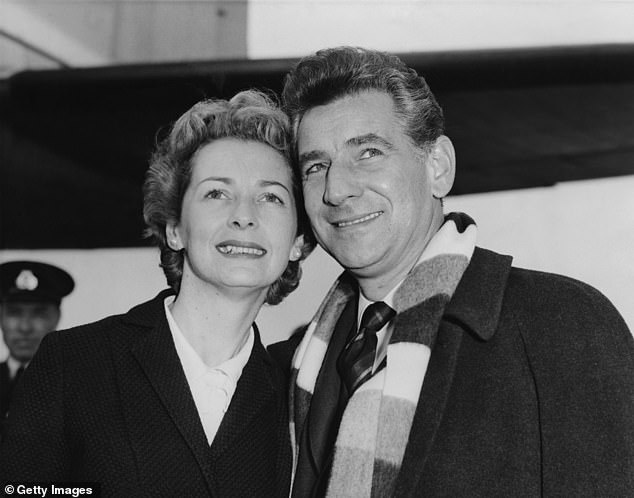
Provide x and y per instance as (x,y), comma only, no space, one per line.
(30,298)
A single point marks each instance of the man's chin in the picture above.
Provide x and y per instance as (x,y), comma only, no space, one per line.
(356,263)
(23,355)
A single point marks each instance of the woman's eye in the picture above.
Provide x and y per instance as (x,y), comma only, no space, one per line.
(271,197)
(215,194)
(369,153)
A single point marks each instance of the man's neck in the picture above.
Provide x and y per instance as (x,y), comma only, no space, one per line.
(376,285)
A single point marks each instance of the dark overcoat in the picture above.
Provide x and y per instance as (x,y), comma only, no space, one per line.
(529,391)
(109,402)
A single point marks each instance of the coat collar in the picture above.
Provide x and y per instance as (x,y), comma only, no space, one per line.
(477,301)
(150,313)
(154,351)
(475,306)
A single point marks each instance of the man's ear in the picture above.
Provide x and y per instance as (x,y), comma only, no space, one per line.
(442,164)
(173,237)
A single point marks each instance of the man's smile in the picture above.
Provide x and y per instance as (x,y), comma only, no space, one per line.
(356,221)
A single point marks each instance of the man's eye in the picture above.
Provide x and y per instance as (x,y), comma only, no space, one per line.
(369,153)
(271,197)
(315,168)
(215,194)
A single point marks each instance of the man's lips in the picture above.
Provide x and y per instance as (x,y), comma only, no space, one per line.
(24,343)
(240,248)
(356,221)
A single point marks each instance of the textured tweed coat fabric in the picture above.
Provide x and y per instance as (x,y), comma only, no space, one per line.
(529,391)
(109,402)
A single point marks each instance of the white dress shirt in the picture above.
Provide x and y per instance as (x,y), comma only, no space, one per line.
(211,388)
(14,365)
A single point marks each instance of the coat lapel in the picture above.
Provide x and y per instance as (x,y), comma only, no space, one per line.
(475,307)
(430,408)
(154,351)
(255,393)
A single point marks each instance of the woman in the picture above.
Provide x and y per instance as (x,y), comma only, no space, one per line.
(178,397)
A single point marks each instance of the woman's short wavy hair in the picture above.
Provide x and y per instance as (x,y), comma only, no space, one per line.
(250,115)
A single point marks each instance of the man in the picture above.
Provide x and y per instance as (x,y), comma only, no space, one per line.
(30,297)
(467,376)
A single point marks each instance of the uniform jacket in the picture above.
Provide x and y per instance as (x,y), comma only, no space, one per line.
(109,403)
(6,389)
(529,391)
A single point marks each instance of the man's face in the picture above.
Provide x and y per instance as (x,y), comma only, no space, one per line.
(367,189)
(24,324)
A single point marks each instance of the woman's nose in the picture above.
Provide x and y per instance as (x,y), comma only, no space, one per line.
(243,216)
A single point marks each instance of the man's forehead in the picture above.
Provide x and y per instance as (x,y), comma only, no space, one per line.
(28,305)
(349,120)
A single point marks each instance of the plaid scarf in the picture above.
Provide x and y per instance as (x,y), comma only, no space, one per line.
(376,422)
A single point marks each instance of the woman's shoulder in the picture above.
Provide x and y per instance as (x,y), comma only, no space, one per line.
(117,327)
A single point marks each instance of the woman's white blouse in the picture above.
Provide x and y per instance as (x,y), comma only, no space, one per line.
(211,388)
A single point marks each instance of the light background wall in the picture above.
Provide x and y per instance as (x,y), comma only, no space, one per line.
(289,28)
(581,229)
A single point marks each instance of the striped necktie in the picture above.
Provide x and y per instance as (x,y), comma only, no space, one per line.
(357,359)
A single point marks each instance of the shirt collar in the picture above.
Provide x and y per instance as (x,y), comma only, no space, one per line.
(14,365)
(193,364)
(364,302)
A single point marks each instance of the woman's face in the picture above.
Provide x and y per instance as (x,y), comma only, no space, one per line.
(238,221)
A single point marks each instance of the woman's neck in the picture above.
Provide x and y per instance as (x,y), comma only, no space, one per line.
(216,324)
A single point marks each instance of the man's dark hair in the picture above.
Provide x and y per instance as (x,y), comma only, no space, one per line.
(333,73)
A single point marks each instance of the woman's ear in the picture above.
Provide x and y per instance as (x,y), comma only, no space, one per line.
(173,237)
(296,249)
(442,164)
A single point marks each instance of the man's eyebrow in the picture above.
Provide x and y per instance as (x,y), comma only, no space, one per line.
(369,138)
(309,156)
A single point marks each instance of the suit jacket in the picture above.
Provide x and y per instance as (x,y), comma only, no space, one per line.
(109,402)
(529,391)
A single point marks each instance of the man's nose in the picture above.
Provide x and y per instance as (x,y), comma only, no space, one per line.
(341,183)
(25,325)
(243,216)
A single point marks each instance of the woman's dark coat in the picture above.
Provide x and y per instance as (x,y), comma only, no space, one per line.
(109,402)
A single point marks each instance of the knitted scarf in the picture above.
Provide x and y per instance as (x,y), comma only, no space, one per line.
(376,422)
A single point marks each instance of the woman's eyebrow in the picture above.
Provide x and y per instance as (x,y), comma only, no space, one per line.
(221,179)
(269,183)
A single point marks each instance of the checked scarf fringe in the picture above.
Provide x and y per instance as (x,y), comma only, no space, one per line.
(376,422)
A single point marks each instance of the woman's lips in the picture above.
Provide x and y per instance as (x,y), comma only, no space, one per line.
(240,248)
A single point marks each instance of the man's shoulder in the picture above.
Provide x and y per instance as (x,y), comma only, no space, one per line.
(540,288)
(282,352)
(554,291)
(558,313)
(4,372)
